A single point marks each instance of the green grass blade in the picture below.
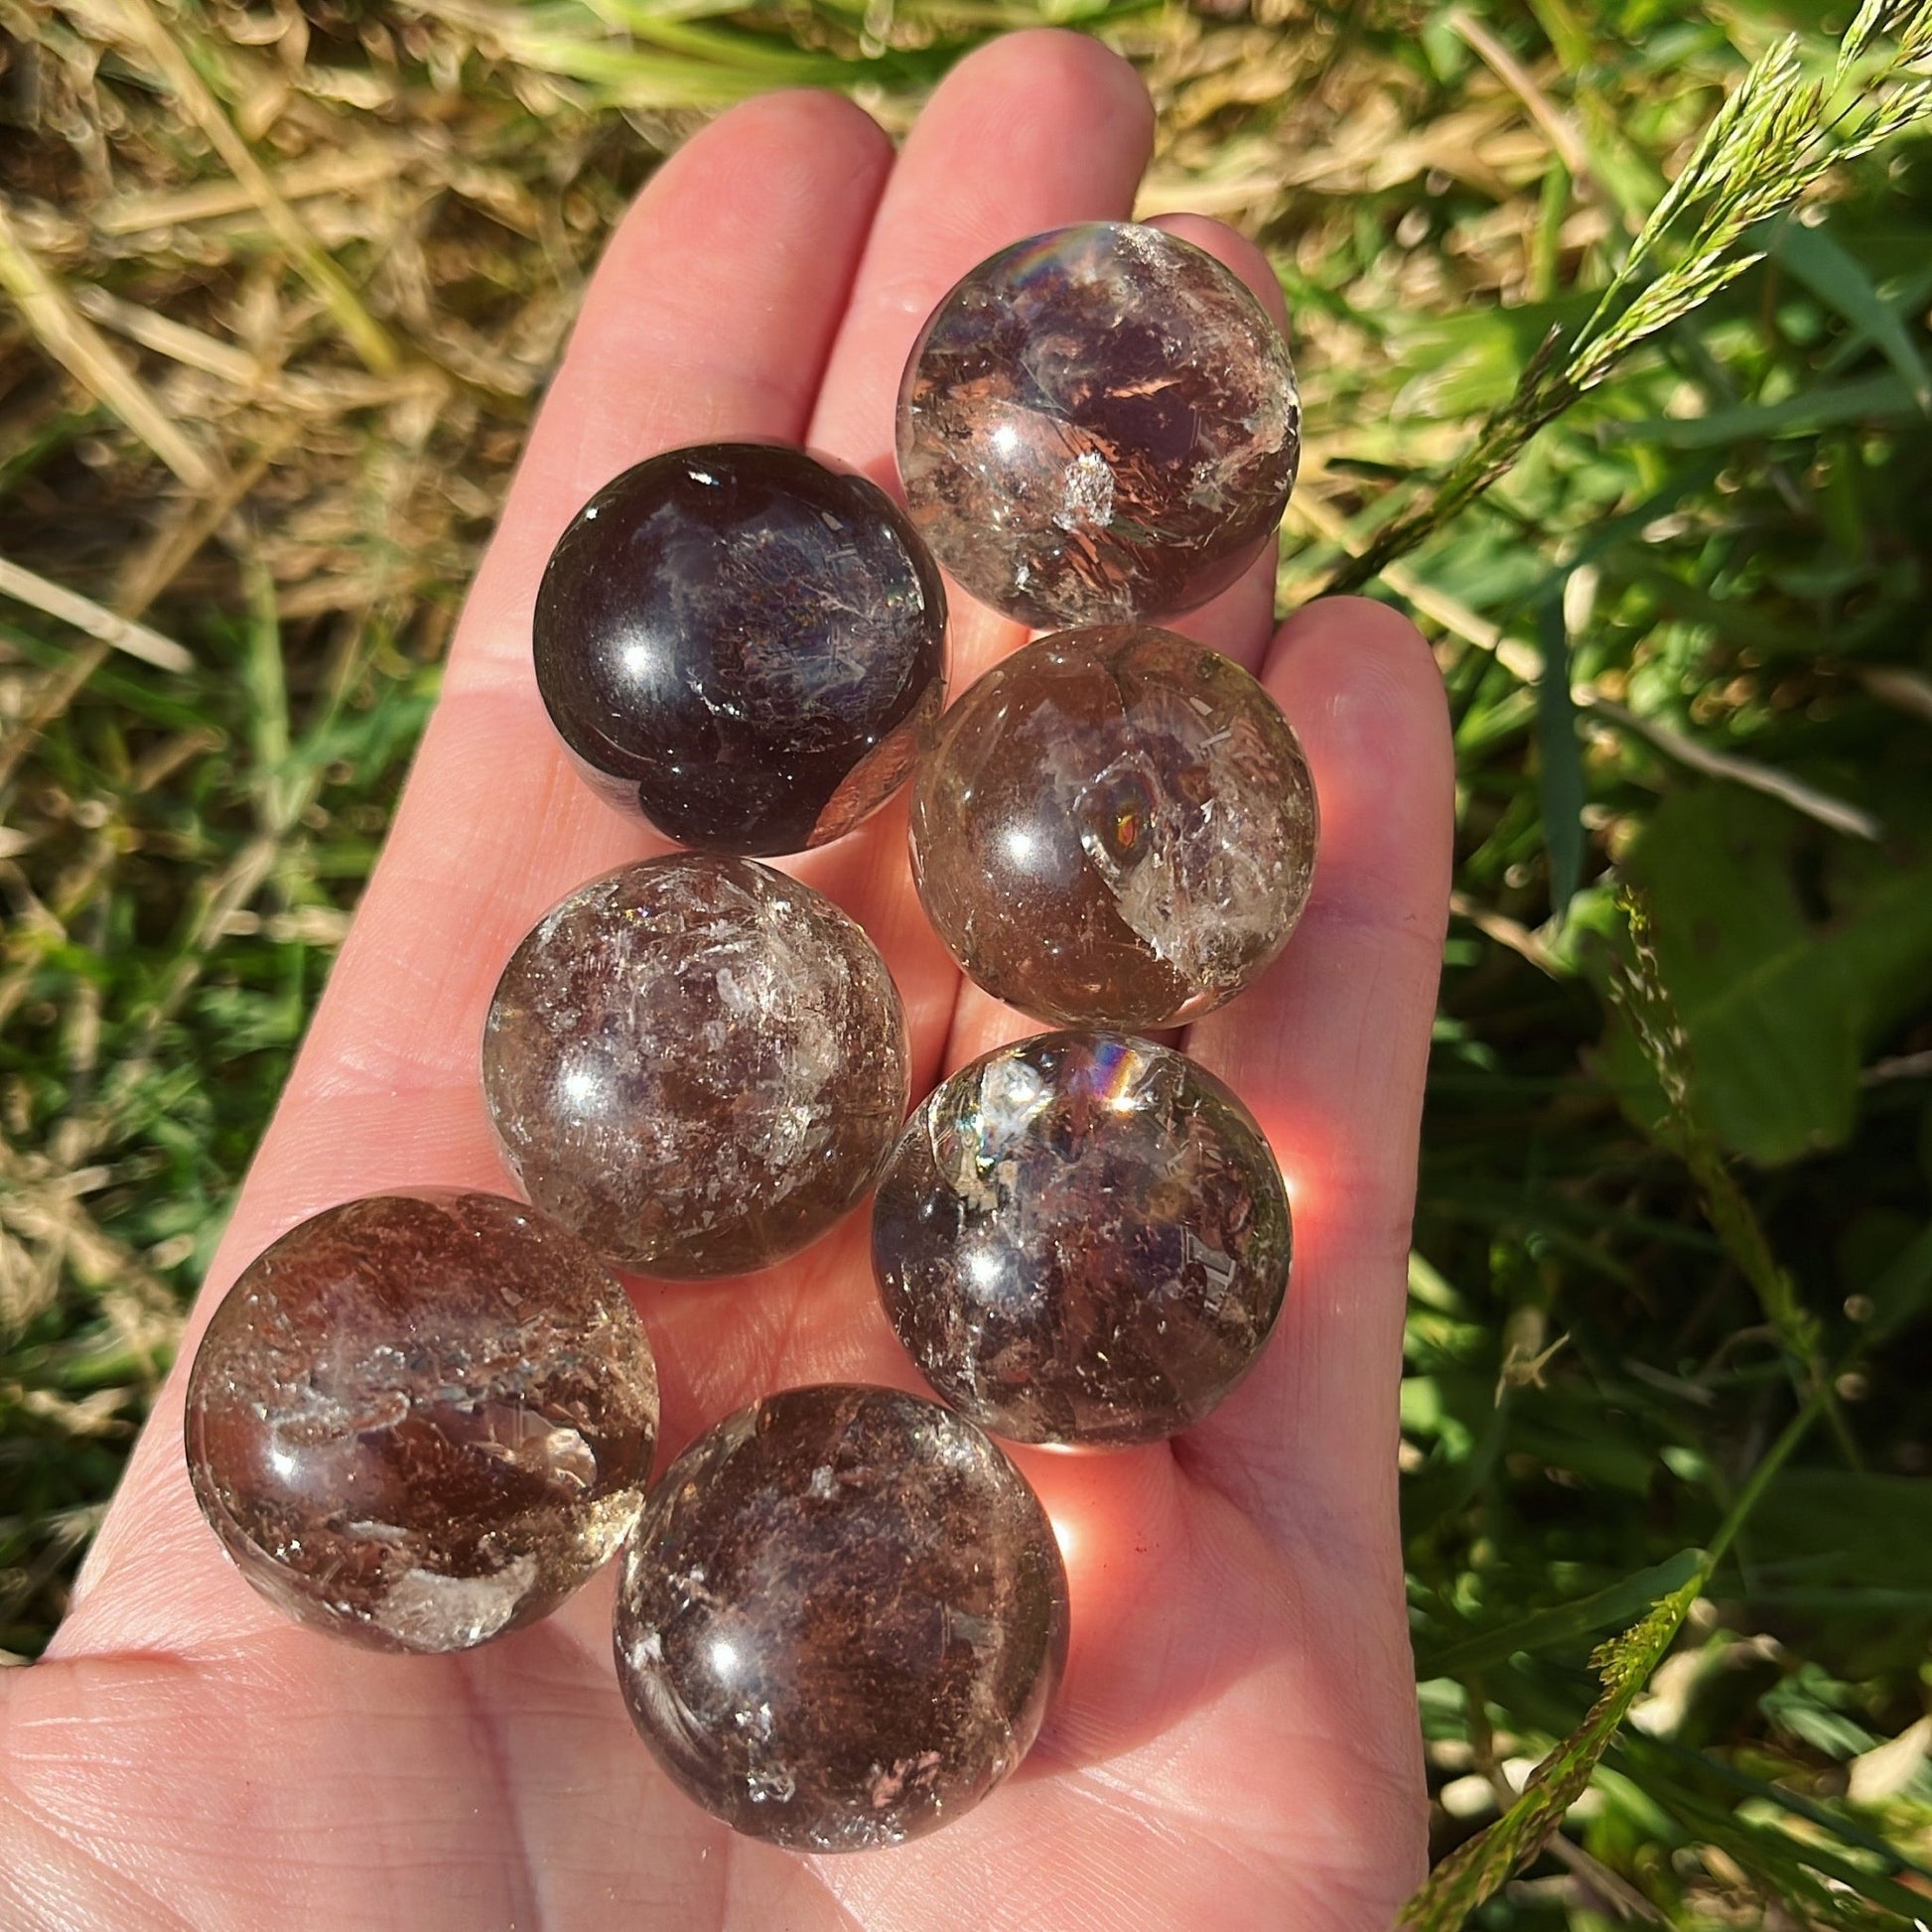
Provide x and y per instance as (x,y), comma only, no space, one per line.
(1694,1766)
(1474,1871)
(1804,1873)
(1559,760)
(1777,135)
(1872,398)
(1564,1623)
(1837,278)
(1901,1294)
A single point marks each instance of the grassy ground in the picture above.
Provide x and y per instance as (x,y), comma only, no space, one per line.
(285,282)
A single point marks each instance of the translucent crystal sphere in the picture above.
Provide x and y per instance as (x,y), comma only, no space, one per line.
(696,1063)
(742,645)
(1082,1238)
(841,1618)
(422,1419)
(1098,424)
(1116,828)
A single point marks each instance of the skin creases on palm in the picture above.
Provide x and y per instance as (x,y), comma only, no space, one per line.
(1235,1742)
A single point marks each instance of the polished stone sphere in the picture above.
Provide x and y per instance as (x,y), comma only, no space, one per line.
(1098,425)
(422,1419)
(1116,828)
(742,645)
(1082,1238)
(696,1063)
(841,1618)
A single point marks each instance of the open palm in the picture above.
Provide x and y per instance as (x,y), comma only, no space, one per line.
(1235,1742)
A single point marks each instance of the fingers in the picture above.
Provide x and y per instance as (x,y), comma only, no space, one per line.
(1033,131)
(710,315)
(1030,132)
(715,309)
(1331,1050)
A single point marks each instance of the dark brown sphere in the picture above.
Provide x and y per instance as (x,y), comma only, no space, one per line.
(742,645)
(696,1063)
(841,1618)
(1116,828)
(1082,1238)
(1098,425)
(422,1419)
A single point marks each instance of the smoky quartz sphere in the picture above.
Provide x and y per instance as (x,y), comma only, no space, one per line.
(422,1419)
(841,1618)
(1116,828)
(696,1063)
(1082,1238)
(1098,424)
(742,645)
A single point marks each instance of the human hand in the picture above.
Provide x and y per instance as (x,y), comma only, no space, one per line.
(1235,1742)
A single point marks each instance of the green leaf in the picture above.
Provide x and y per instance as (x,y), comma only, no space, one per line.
(1808,1707)
(1475,1871)
(1563,1623)
(1837,277)
(1900,1293)
(1778,1003)
(1712,1769)
(1845,1527)
(1559,760)
(1806,1872)
(1900,259)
